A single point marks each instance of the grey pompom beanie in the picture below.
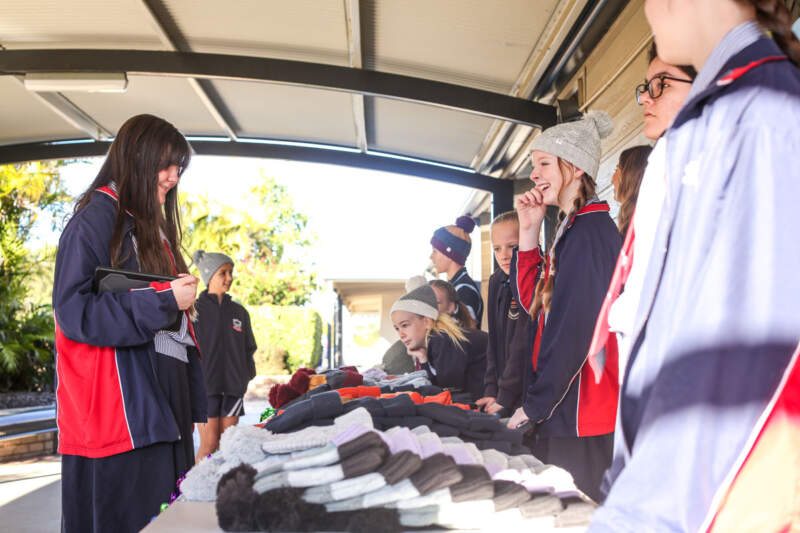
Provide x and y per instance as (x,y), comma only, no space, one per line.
(209,262)
(577,142)
(420,301)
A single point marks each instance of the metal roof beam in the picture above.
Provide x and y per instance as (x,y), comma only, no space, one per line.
(172,38)
(353,21)
(332,155)
(210,66)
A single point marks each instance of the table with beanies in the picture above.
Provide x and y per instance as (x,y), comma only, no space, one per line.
(373,453)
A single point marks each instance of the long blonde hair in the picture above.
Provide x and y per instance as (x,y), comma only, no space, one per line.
(544,288)
(446,325)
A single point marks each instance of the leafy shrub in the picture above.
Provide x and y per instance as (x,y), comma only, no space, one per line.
(288,337)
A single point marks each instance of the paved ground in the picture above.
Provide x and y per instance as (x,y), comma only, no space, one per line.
(30,490)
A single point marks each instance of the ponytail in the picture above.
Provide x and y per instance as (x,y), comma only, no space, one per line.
(544,289)
(446,325)
(775,17)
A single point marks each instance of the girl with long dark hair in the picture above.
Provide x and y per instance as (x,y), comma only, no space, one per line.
(627,179)
(128,390)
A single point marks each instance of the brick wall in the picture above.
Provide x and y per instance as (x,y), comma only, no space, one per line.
(14,449)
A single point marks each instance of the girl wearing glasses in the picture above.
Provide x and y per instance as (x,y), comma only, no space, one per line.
(707,436)
(662,94)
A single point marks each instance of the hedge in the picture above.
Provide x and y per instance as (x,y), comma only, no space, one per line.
(288,337)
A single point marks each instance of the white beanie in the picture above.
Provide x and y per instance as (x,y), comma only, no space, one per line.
(577,142)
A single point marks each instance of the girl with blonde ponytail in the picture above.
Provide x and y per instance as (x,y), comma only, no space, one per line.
(573,419)
(709,417)
(452,356)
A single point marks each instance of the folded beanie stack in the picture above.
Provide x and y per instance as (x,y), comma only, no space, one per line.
(348,476)
(305,382)
(485,431)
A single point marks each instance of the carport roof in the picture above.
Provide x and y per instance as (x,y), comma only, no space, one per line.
(454,82)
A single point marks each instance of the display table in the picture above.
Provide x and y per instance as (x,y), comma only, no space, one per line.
(186,517)
(200,517)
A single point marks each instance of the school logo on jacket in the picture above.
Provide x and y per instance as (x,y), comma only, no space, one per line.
(237,325)
(513,310)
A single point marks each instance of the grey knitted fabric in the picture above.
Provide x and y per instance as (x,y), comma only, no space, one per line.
(577,142)
(421,301)
(209,262)
(414,282)
(396,359)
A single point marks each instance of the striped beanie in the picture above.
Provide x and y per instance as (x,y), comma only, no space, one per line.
(420,301)
(451,245)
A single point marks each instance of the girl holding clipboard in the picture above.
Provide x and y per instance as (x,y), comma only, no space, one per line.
(128,391)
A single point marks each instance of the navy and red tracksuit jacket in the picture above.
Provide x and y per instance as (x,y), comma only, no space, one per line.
(561,396)
(108,398)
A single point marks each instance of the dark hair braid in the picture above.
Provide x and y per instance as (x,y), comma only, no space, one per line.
(775,16)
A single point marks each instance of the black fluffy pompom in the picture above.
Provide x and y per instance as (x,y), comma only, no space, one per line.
(236,500)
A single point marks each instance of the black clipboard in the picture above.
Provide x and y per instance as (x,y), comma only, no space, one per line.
(108,279)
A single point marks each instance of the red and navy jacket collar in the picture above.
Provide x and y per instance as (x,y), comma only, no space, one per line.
(754,65)
(111,193)
(595,206)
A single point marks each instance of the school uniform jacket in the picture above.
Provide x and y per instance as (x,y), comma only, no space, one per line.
(468,294)
(510,343)
(562,397)
(714,353)
(458,367)
(108,398)
(226,339)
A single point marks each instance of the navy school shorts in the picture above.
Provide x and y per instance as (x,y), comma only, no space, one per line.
(222,405)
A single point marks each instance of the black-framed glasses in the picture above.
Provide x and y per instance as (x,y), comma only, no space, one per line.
(655,87)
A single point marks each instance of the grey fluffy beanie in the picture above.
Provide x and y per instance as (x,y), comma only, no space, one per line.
(420,301)
(209,262)
(577,142)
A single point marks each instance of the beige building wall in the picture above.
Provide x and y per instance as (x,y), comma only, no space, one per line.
(607,81)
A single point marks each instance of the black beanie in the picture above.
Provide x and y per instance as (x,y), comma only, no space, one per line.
(438,471)
(444,414)
(401,405)
(399,466)
(236,500)
(475,484)
(508,494)
(362,442)
(364,462)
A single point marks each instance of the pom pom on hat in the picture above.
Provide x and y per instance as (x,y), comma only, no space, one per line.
(602,122)
(415,282)
(466,223)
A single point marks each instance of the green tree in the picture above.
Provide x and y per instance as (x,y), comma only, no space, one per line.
(26,319)
(259,236)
